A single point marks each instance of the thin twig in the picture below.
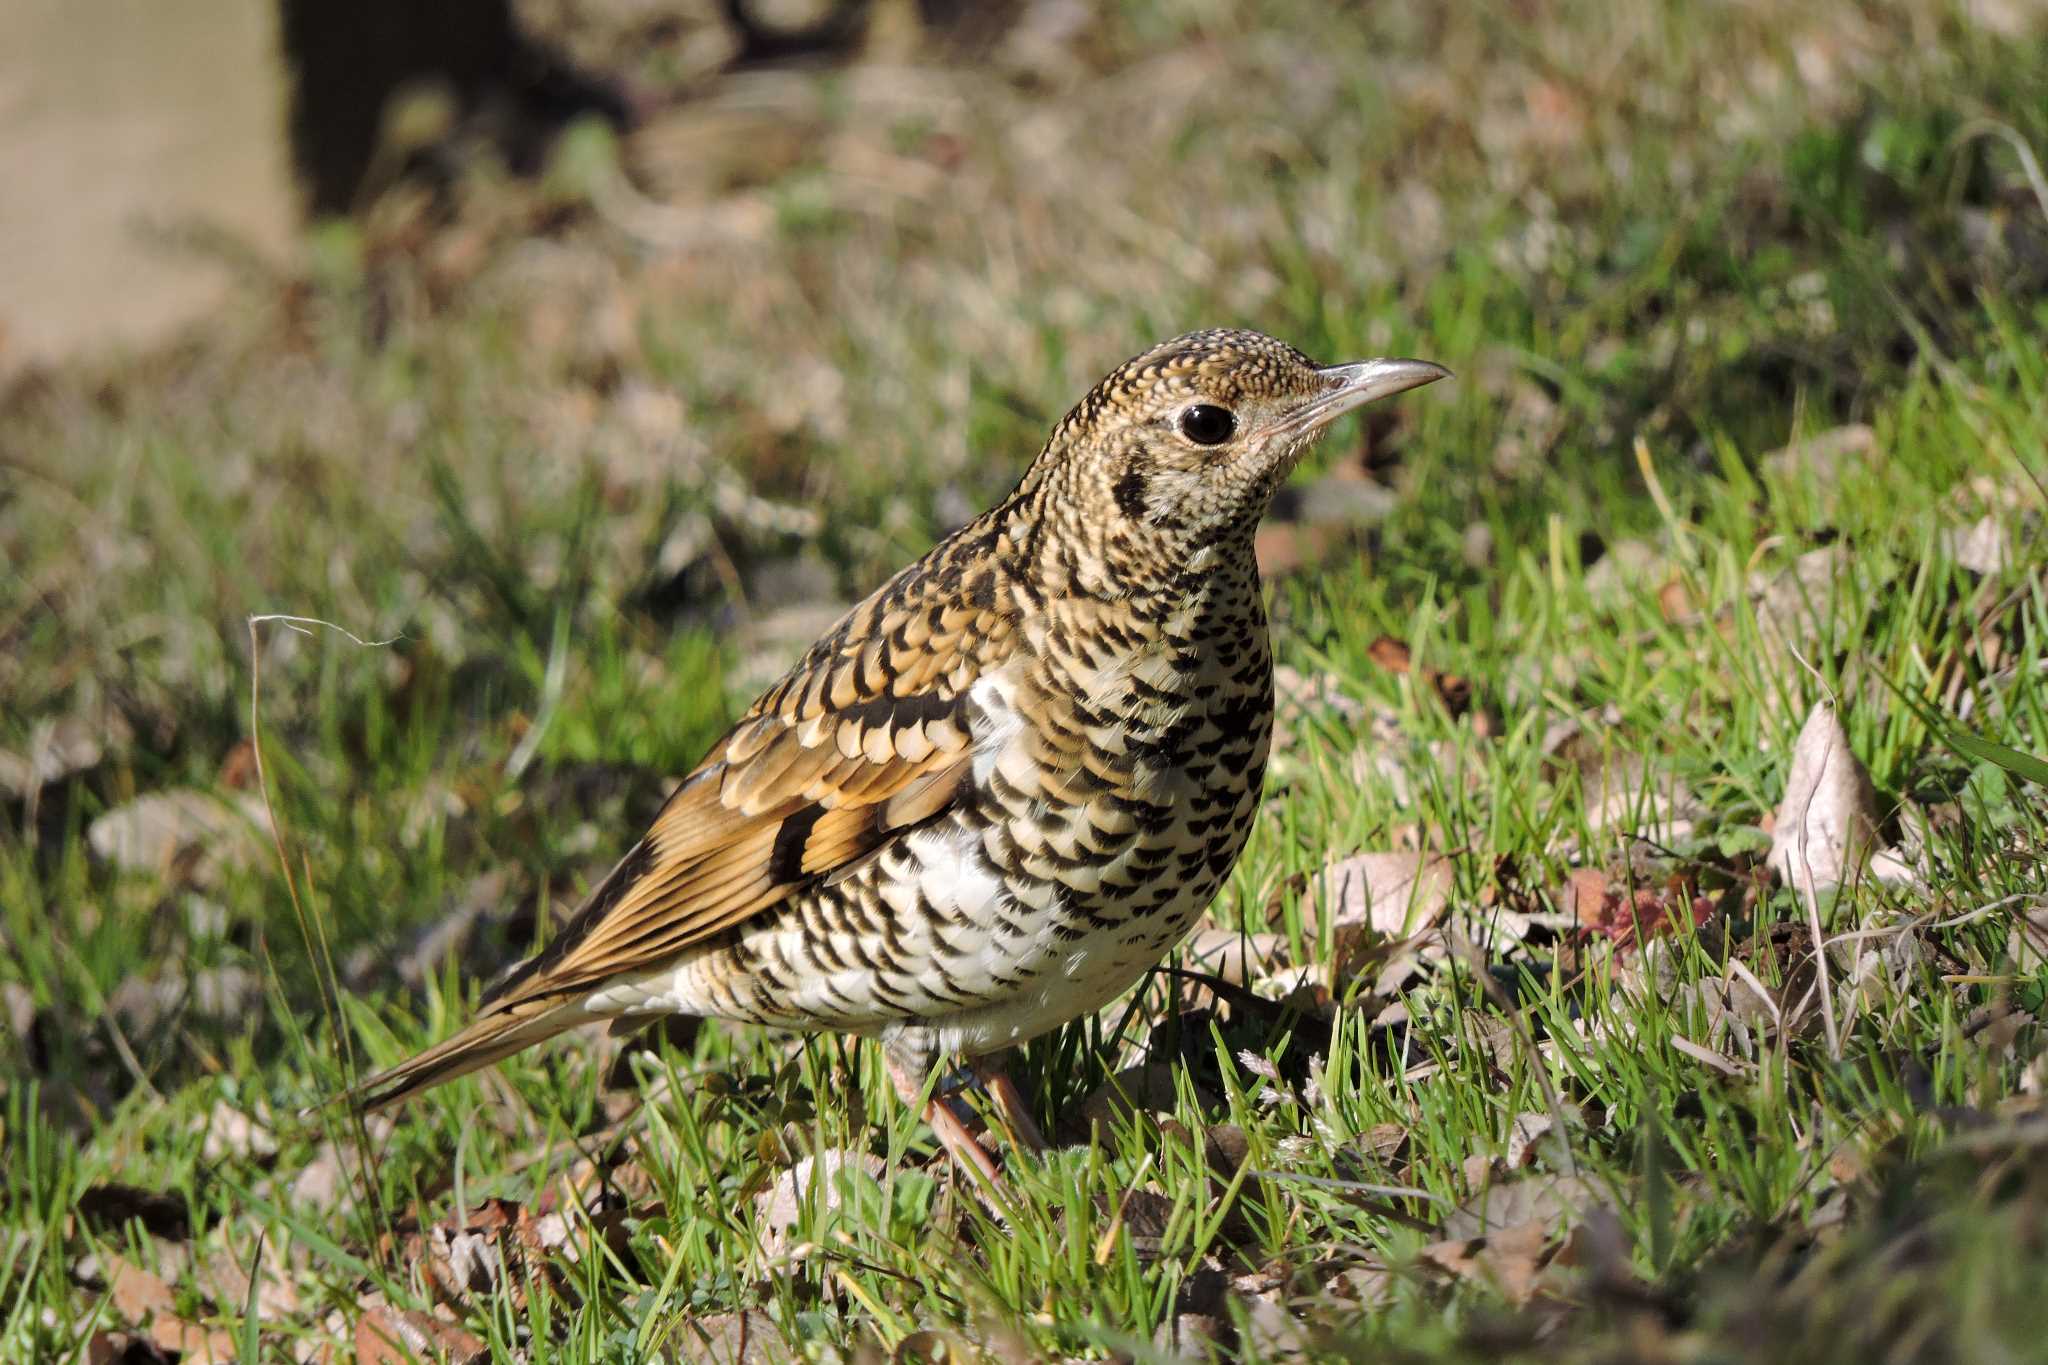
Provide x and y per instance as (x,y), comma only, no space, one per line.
(2030,166)
(311,930)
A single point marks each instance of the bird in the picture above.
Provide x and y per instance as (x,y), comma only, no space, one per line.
(1002,787)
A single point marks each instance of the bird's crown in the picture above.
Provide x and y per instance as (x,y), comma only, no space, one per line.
(1189,440)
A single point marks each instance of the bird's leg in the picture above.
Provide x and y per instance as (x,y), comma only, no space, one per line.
(952,1133)
(1009,1102)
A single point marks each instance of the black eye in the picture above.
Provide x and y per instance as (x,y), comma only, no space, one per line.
(1208,425)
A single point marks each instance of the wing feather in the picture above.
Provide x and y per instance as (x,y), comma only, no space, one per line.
(820,772)
(867,736)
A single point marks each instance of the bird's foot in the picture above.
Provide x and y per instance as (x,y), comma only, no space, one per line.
(1016,1114)
(946,1125)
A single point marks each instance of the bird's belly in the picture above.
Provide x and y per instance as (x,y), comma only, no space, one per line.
(1039,898)
(935,948)
(1042,950)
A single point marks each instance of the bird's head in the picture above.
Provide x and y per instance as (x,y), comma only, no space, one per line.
(1187,442)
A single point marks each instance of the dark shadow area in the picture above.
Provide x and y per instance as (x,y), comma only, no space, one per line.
(347,61)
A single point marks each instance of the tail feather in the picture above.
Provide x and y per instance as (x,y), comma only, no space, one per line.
(489,1038)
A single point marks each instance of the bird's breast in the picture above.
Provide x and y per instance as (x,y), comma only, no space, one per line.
(1119,765)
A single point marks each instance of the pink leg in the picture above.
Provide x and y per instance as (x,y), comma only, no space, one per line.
(951,1132)
(1009,1102)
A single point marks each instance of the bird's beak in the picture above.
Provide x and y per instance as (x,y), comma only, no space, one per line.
(1355,385)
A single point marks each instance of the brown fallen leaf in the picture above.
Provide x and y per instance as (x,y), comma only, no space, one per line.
(1381,907)
(1622,795)
(1676,605)
(1607,906)
(933,1347)
(1984,547)
(1283,547)
(1524,1134)
(1392,894)
(1826,827)
(1511,1259)
(224,1278)
(1794,607)
(61,748)
(143,1299)
(1453,690)
(782,1203)
(191,836)
(231,1133)
(1233,955)
(749,1338)
(1626,569)
(138,1295)
(1390,654)
(399,1336)
(1823,457)
(1556,1201)
(194,1343)
(1298,696)
(491,1247)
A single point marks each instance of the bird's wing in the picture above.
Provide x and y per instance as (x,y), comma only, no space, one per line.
(867,735)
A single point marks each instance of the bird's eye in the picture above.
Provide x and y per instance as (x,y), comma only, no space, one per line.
(1208,425)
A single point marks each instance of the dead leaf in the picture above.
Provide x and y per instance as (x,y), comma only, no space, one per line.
(782,1204)
(398,1336)
(931,1347)
(1511,1259)
(61,748)
(1299,698)
(1271,1332)
(1453,690)
(749,1338)
(1607,905)
(230,1133)
(138,1294)
(2027,942)
(1390,654)
(1627,569)
(1585,896)
(1827,824)
(1675,603)
(194,1343)
(1621,794)
(1984,548)
(1283,547)
(1793,606)
(1233,955)
(1393,894)
(224,1278)
(1823,457)
(146,1004)
(1555,1201)
(186,834)
(1524,1134)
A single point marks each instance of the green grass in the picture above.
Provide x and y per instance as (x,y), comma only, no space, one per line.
(592,489)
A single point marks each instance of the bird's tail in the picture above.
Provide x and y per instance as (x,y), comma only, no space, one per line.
(490,1037)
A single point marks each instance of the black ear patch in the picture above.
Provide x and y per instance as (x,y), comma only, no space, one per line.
(1130,493)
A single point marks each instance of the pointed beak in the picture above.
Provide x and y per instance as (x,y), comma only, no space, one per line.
(1355,385)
